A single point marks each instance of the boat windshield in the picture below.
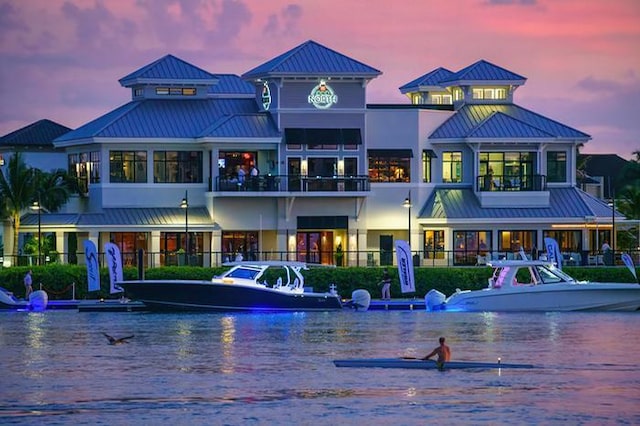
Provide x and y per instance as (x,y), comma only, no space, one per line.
(243,273)
(548,276)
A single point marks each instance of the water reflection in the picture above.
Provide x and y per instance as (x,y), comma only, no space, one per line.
(276,369)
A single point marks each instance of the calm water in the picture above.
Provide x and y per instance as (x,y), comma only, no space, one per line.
(245,369)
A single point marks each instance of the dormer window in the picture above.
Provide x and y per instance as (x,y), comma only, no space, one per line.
(138,92)
(175,91)
(441,99)
(483,93)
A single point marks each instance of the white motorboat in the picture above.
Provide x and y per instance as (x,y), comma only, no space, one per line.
(244,287)
(526,285)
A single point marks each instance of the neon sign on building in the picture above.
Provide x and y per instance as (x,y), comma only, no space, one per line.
(322,96)
(266,96)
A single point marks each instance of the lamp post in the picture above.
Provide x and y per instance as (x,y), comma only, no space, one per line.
(613,226)
(185,205)
(36,206)
(407,204)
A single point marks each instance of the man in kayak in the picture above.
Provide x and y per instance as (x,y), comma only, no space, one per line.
(443,352)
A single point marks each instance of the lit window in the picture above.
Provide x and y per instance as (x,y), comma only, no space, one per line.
(452,167)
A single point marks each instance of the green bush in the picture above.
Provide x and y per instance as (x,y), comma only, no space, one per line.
(57,279)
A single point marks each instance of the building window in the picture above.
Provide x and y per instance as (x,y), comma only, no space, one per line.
(452,167)
(175,91)
(434,244)
(129,243)
(294,147)
(468,245)
(390,168)
(512,241)
(173,249)
(177,166)
(240,243)
(138,92)
(484,93)
(427,156)
(568,241)
(127,166)
(322,147)
(85,167)
(441,99)
(556,166)
(507,170)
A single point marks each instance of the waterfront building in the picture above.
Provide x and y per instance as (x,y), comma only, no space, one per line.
(289,161)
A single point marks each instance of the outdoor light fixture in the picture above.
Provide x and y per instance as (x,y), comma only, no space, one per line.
(407,204)
(36,206)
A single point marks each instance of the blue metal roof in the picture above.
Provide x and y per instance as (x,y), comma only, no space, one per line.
(40,133)
(148,216)
(243,126)
(462,203)
(312,59)
(432,79)
(484,71)
(231,84)
(484,121)
(166,70)
(160,118)
(498,123)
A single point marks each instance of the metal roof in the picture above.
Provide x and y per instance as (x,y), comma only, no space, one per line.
(189,118)
(39,133)
(483,71)
(231,84)
(312,59)
(167,70)
(502,121)
(243,126)
(462,203)
(143,217)
(430,79)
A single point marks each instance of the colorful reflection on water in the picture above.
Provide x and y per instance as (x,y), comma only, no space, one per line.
(277,369)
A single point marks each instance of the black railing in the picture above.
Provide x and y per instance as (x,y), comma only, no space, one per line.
(511,183)
(364,258)
(294,183)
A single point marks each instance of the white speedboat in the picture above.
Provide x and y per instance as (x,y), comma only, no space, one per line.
(37,301)
(525,285)
(244,287)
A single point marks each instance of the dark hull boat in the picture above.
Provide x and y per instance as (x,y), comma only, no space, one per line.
(239,289)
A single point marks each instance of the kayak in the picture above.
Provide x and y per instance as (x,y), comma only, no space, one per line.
(421,364)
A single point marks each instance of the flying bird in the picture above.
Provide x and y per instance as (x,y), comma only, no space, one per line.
(114,341)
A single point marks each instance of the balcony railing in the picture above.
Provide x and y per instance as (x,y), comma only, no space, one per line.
(511,183)
(294,183)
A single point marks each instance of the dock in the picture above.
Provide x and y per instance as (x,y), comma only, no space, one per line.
(397,305)
(126,305)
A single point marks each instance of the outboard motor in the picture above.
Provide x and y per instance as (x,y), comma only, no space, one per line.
(38,300)
(434,300)
(360,300)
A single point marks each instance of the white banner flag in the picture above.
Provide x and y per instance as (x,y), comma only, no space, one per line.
(629,262)
(553,251)
(405,267)
(114,263)
(91,260)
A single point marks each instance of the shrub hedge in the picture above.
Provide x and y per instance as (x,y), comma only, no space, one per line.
(57,280)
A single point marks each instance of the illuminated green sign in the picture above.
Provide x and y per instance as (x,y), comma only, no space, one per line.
(322,96)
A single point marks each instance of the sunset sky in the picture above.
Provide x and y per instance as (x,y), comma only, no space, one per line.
(61,60)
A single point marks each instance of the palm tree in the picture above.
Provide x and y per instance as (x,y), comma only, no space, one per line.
(21,185)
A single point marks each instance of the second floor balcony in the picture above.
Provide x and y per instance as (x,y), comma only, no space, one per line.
(292,183)
(501,183)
